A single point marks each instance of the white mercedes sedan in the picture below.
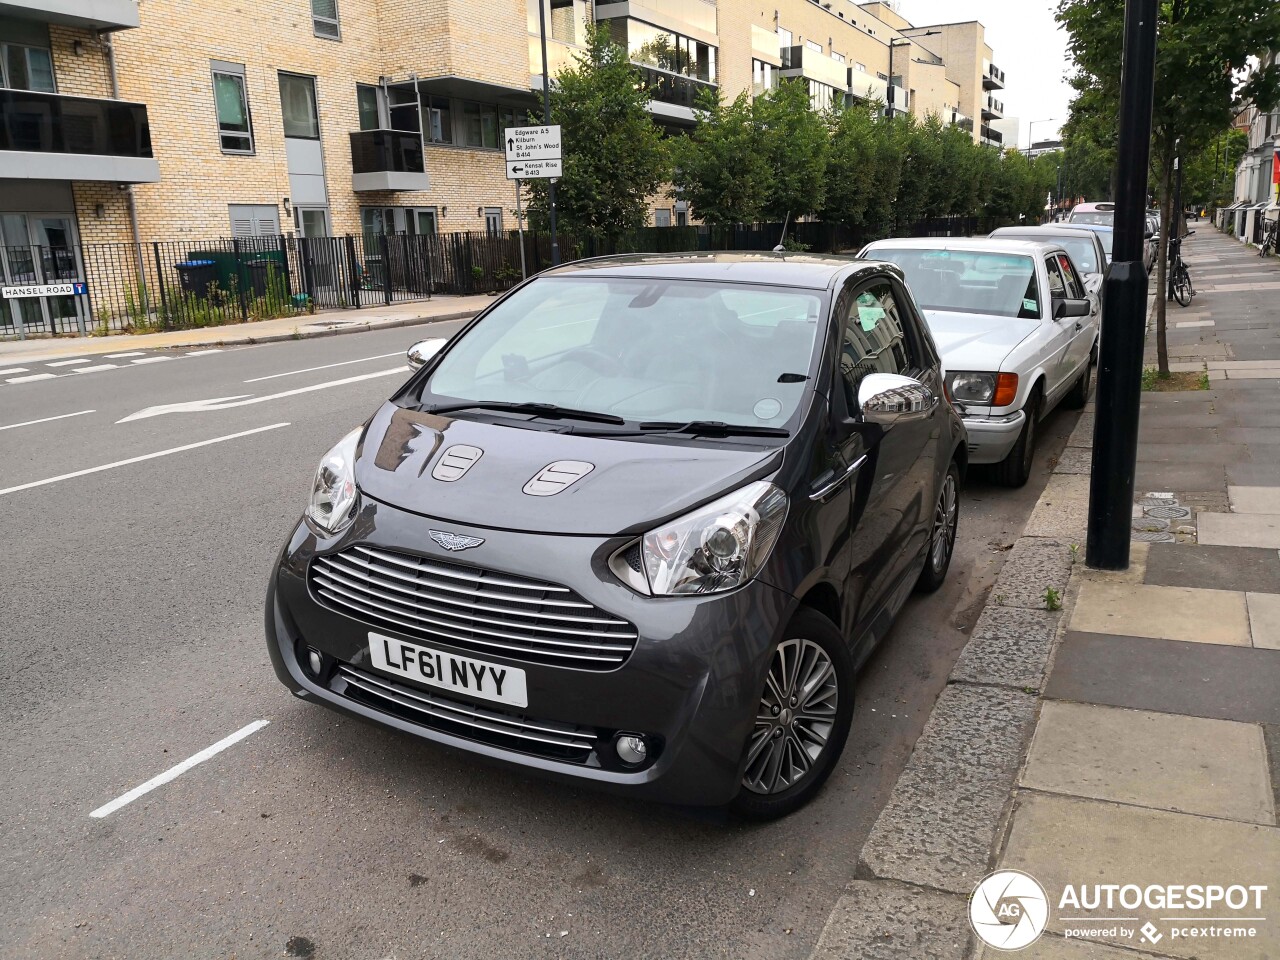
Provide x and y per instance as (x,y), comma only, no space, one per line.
(1017,331)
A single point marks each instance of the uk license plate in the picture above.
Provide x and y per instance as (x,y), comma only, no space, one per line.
(448,671)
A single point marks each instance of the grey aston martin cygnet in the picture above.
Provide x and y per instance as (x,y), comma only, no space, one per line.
(637,525)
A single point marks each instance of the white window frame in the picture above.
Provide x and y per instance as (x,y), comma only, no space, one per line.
(232,70)
(26,48)
(489,214)
(335,20)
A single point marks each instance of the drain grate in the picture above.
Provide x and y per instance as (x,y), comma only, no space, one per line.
(1149,525)
(1154,501)
(1168,513)
(1152,536)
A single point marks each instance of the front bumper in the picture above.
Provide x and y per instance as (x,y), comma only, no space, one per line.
(691,684)
(991,438)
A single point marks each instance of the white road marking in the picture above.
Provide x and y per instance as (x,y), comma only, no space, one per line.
(201,353)
(67,363)
(61,416)
(289,373)
(96,367)
(152,360)
(118,356)
(224,403)
(13,370)
(176,771)
(32,376)
(145,456)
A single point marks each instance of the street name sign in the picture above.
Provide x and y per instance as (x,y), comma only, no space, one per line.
(533,153)
(44,290)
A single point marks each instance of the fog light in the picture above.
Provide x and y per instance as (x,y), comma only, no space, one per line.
(631,748)
(314,660)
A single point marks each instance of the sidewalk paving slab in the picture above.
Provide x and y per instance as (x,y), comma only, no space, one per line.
(1264,620)
(1254,499)
(888,921)
(1214,568)
(1214,768)
(1062,511)
(1064,840)
(1009,647)
(1051,947)
(1190,614)
(1239,530)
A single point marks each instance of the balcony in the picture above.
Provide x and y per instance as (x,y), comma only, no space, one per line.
(991,137)
(958,119)
(47,136)
(992,109)
(993,78)
(813,65)
(672,96)
(387,160)
(85,14)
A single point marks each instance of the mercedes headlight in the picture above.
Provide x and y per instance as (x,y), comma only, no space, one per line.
(717,547)
(334,496)
(995,389)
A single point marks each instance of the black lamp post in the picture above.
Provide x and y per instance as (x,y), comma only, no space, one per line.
(901,42)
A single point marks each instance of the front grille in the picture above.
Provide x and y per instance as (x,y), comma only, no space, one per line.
(540,738)
(471,609)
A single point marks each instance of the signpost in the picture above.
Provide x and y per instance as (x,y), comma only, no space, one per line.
(533,153)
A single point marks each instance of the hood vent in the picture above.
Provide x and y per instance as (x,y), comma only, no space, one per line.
(555,477)
(456,461)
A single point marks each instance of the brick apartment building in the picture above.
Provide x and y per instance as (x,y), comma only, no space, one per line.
(128,121)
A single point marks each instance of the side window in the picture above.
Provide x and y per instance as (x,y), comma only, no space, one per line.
(1075,289)
(1057,286)
(231,101)
(873,340)
(324,19)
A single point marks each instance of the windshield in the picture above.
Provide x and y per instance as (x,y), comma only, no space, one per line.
(1082,251)
(668,350)
(1102,218)
(968,281)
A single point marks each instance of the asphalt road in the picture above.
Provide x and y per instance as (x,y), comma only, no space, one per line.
(131,613)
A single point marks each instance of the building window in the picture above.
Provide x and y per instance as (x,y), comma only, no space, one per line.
(26,68)
(403,108)
(784,38)
(493,221)
(324,19)
(483,123)
(662,217)
(861,66)
(837,57)
(298,106)
(764,77)
(815,47)
(368,107)
(231,99)
(821,95)
(439,119)
(652,46)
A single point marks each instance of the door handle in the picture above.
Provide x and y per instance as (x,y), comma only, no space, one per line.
(827,489)
(1079,325)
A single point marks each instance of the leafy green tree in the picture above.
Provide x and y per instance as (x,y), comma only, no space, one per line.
(1209,177)
(852,165)
(1202,48)
(719,167)
(614,156)
(793,142)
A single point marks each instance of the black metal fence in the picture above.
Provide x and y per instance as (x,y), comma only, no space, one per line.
(177,284)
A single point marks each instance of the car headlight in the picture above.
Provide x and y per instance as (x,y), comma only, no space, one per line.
(716,547)
(334,495)
(994,389)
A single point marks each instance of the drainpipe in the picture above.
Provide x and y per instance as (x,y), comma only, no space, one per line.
(104,38)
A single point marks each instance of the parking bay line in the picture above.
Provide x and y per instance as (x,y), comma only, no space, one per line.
(145,456)
(343,363)
(32,376)
(4,373)
(178,770)
(61,416)
(67,363)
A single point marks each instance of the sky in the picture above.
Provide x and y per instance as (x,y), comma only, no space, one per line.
(1027,45)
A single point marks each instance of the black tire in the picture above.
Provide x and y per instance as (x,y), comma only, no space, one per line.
(942,535)
(1015,469)
(1079,394)
(807,626)
(1182,291)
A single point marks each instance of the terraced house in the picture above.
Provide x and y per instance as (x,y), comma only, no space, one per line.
(159,120)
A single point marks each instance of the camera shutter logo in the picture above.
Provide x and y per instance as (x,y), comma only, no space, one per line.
(1009,910)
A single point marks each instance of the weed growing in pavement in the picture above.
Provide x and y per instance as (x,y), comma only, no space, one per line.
(1075,554)
(1204,380)
(1052,599)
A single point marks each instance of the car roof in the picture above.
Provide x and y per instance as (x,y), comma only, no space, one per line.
(1101,206)
(987,244)
(1095,227)
(1048,231)
(808,270)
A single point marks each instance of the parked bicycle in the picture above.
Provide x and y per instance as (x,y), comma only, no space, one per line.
(1269,230)
(1180,287)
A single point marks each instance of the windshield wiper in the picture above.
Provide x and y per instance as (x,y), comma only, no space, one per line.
(714,428)
(547,410)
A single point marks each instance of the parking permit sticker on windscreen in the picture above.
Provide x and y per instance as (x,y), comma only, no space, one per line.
(1030,306)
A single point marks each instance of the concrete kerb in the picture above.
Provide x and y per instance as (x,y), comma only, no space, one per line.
(948,818)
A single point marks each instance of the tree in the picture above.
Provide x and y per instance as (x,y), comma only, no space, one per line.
(1209,178)
(853,133)
(719,167)
(614,155)
(1203,50)
(793,142)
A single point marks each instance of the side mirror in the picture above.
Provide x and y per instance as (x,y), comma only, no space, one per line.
(1070,308)
(1149,234)
(887,399)
(424,350)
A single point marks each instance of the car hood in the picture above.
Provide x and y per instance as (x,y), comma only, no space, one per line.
(632,486)
(974,341)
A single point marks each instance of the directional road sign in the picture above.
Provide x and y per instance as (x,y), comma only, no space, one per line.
(533,153)
(534,169)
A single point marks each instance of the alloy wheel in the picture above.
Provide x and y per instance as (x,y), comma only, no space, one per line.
(944,524)
(794,720)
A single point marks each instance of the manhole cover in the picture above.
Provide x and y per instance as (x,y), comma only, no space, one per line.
(1149,525)
(1152,536)
(1152,501)
(1168,513)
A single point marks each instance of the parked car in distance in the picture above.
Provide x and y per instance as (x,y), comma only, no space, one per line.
(636,526)
(1103,213)
(1083,246)
(1152,247)
(1104,233)
(1017,332)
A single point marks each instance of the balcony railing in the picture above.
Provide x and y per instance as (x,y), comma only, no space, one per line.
(814,65)
(387,160)
(673,89)
(52,123)
(993,106)
(993,79)
(992,135)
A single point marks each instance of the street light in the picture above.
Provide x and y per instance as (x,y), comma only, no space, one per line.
(1030,126)
(901,42)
